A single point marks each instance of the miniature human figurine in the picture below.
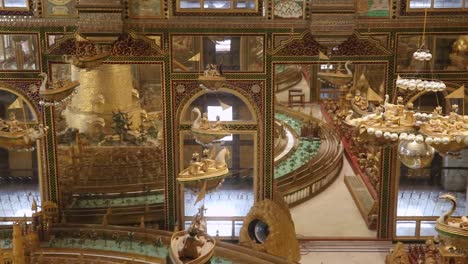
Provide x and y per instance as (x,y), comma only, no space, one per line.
(399,107)
(195,157)
(205,153)
(3,125)
(360,101)
(195,164)
(409,114)
(437,111)
(13,124)
(204,124)
(211,70)
(207,162)
(398,255)
(217,125)
(192,245)
(454,117)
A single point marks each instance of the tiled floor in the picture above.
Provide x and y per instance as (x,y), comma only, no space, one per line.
(332,213)
(228,200)
(16,198)
(337,252)
(413,201)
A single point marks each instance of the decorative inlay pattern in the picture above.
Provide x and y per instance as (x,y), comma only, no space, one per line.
(358,46)
(126,45)
(303,45)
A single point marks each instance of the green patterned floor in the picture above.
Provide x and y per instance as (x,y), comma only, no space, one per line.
(139,248)
(83,202)
(293,123)
(306,149)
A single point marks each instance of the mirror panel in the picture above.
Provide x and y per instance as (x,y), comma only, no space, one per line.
(110,138)
(18,52)
(233,53)
(19,168)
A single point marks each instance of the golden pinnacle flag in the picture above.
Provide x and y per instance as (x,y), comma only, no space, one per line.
(458,93)
(196,57)
(224,106)
(34,205)
(373,96)
(322,56)
(201,193)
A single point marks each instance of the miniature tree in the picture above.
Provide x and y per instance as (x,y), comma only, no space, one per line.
(121,124)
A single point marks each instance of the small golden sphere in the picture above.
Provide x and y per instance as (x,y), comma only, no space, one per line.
(415,155)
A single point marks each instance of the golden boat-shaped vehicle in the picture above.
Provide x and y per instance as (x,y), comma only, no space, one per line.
(185,175)
(12,140)
(205,136)
(358,110)
(59,93)
(452,145)
(212,82)
(88,62)
(177,243)
(337,77)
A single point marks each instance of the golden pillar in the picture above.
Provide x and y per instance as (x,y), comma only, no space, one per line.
(18,244)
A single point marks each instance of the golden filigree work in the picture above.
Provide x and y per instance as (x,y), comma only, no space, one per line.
(279,230)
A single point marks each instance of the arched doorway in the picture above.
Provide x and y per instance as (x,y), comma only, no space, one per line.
(228,198)
(20,167)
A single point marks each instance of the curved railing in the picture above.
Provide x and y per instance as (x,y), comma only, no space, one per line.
(287,78)
(319,172)
(130,244)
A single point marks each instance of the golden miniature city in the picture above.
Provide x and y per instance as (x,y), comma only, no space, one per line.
(222,132)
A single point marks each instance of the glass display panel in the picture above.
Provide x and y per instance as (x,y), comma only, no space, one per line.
(18,52)
(303,93)
(428,228)
(244,4)
(437,5)
(449,53)
(52,38)
(448,4)
(216,4)
(19,168)
(420,3)
(114,123)
(189,4)
(145,8)
(16,3)
(405,228)
(232,53)
(227,155)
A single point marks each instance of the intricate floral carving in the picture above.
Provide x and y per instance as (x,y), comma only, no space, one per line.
(126,45)
(355,45)
(304,45)
(132,45)
(70,46)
